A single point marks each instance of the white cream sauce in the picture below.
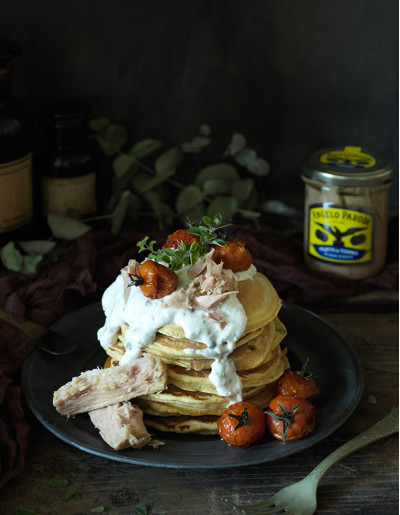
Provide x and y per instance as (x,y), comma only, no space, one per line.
(145,316)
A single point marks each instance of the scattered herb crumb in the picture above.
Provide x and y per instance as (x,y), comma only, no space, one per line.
(367,342)
(58,483)
(24,511)
(371,399)
(394,317)
(140,508)
(98,509)
(69,493)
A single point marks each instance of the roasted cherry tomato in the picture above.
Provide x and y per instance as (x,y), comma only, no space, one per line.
(234,256)
(242,424)
(299,383)
(181,235)
(155,280)
(290,418)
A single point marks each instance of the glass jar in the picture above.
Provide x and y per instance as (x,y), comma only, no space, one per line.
(16,203)
(346,211)
(68,170)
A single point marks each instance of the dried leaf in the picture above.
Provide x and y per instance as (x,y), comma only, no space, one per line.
(221,171)
(11,257)
(37,247)
(169,160)
(215,187)
(66,228)
(99,124)
(115,136)
(241,190)
(227,206)
(122,164)
(120,212)
(155,181)
(144,148)
(238,143)
(187,198)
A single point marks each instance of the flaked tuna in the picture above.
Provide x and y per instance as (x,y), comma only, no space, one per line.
(121,426)
(98,388)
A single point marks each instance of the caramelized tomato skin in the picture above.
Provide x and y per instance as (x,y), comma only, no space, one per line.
(303,422)
(174,239)
(234,255)
(293,384)
(158,280)
(246,434)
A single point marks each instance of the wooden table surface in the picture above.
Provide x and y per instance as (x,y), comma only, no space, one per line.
(364,483)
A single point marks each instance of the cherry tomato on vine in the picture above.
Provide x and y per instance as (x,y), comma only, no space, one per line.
(299,383)
(242,423)
(234,255)
(179,236)
(155,280)
(290,418)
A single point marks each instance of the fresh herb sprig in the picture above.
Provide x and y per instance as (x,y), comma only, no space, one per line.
(188,254)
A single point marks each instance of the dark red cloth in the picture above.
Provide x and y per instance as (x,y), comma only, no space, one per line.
(14,348)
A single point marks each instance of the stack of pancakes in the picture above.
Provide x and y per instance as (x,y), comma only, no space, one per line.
(190,404)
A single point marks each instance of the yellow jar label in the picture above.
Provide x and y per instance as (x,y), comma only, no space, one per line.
(339,234)
(348,158)
(15,193)
(62,194)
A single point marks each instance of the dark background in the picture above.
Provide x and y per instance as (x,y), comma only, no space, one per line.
(292,76)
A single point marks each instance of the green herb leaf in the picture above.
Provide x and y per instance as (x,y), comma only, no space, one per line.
(371,399)
(58,483)
(144,148)
(37,247)
(99,124)
(170,160)
(69,493)
(188,198)
(24,511)
(122,164)
(11,257)
(140,508)
(66,228)
(394,317)
(98,509)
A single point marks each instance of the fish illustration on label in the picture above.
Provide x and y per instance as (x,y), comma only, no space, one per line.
(340,234)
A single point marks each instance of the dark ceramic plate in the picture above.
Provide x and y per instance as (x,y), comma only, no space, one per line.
(333,360)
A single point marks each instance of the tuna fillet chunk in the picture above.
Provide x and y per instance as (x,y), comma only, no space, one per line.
(121,426)
(98,388)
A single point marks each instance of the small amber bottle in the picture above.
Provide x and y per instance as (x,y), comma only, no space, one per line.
(68,171)
(16,204)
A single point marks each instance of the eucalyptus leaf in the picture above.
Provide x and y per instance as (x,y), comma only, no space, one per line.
(37,247)
(221,171)
(205,130)
(252,200)
(29,263)
(122,164)
(169,160)
(120,212)
(66,228)
(196,145)
(214,187)
(99,124)
(227,206)
(115,135)
(187,198)
(162,211)
(144,148)
(241,190)
(155,181)
(194,215)
(103,143)
(238,143)
(11,257)
(134,208)
(140,179)
(249,159)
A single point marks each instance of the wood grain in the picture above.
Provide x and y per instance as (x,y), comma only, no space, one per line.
(365,482)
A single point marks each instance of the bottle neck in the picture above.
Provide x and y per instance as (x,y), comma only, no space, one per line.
(67,139)
(5,83)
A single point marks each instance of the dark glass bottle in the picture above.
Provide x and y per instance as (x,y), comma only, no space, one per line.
(68,172)
(16,203)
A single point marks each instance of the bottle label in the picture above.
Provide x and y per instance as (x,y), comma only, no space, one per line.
(339,234)
(348,158)
(62,194)
(15,193)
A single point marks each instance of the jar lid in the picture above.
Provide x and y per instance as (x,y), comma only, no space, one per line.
(9,50)
(348,166)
